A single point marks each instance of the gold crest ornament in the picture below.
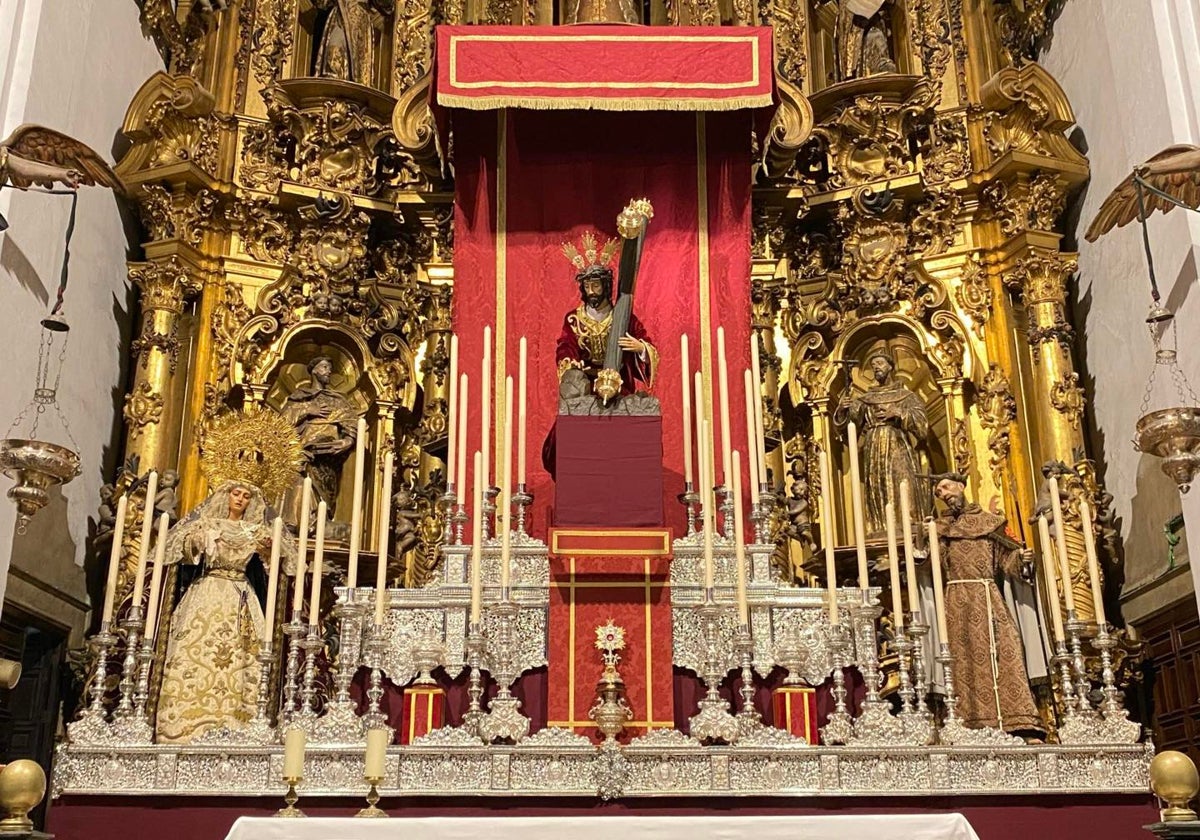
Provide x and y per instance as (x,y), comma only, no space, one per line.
(261,448)
(631,223)
(590,255)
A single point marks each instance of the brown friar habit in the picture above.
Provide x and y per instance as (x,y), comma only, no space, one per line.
(989,666)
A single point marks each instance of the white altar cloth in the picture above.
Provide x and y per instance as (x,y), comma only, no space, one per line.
(832,827)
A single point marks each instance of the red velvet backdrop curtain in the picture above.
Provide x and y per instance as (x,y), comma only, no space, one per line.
(568,171)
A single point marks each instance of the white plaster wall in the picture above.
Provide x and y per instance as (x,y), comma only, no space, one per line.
(72,65)
(1127,67)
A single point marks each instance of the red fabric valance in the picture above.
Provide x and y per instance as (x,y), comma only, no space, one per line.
(608,68)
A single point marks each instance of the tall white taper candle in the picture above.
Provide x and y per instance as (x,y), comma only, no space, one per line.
(139,578)
(831,581)
(272,582)
(302,549)
(739,539)
(894,570)
(160,550)
(385,526)
(687,407)
(523,419)
(726,437)
(1060,538)
(360,460)
(314,600)
(114,559)
(751,438)
(939,593)
(461,455)
(452,439)
(856,500)
(506,490)
(477,541)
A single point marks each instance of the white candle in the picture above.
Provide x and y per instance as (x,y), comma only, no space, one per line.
(894,571)
(385,523)
(1089,544)
(739,539)
(687,408)
(485,410)
(302,549)
(751,439)
(293,754)
(860,536)
(827,534)
(314,601)
(726,438)
(698,394)
(461,466)
(756,373)
(935,565)
(709,506)
(910,563)
(477,542)
(1060,537)
(506,490)
(524,412)
(360,457)
(160,550)
(139,578)
(377,744)
(1048,575)
(452,415)
(272,582)
(114,560)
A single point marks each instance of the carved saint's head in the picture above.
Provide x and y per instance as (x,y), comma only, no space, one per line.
(881,362)
(239,500)
(952,494)
(320,368)
(595,285)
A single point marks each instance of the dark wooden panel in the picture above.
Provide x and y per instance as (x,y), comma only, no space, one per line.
(1172,669)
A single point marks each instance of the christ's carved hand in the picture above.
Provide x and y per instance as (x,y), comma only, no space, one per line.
(633,345)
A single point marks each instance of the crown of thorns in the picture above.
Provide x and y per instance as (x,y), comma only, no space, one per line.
(591,254)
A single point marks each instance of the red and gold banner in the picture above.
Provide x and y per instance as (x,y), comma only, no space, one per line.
(424,711)
(600,575)
(606,68)
(795,709)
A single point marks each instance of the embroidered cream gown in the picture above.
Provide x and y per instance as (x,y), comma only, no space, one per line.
(210,678)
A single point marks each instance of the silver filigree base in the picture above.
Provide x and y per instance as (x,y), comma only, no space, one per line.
(955,733)
(714,722)
(339,725)
(92,727)
(876,726)
(503,721)
(132,730)
(1080,729)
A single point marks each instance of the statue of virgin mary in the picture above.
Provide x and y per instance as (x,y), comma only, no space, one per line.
(210,674)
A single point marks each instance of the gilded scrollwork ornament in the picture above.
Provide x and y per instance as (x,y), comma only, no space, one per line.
(997,411)
(1066,395)
(143,408)
(973,293)
(149,337)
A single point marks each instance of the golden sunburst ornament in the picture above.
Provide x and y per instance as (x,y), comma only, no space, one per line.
(261,448)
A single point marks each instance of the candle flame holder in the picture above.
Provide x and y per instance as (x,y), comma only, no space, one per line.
(290,811)
(372,811)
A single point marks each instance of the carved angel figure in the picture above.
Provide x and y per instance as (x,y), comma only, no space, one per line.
(1174,171)
(34,155)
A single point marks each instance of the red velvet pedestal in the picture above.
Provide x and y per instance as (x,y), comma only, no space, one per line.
(424,711)
(609,472)
(796,711)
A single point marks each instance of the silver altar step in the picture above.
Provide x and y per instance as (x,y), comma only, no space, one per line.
(557,763)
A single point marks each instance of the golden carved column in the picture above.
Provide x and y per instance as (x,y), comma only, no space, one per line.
(154,402)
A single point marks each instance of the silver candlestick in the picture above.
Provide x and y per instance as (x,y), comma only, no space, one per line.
(260,730)
(460,521)
(748,718)
(917,630)
(449,502)
(503,721)
(132,625)
(1083,683)
(726,507)
(713,722)
(689,498)
(92,726)
(294,630)
(1117,725)
(761,515)
(840,726)
(376,646)
(141,695)
(311,644)
(918,729)
(521,500)
(489,510)
(875,725)
(340,724)
(475,646)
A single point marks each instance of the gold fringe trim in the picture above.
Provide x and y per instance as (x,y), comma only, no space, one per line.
(596,103)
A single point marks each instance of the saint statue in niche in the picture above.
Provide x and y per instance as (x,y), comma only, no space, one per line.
(891,423)
(327,424)
(210,674)
(346,38)
(862,39)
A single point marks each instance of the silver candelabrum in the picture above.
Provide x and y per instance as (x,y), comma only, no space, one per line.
(503,721)
(521,500)
(311,644)
(260,730)
(489,510)
(475,647)
(376,645)
(840,726)
(340,724)
(690,499)
(760,515)
(1117,726)
(713,722)
(748,718)
(449,502)
(92,725)
(1083,723)
(875,725)
(128,725)
(295,631)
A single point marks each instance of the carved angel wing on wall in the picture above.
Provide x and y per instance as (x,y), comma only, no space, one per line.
(36,155)
(1174,171)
